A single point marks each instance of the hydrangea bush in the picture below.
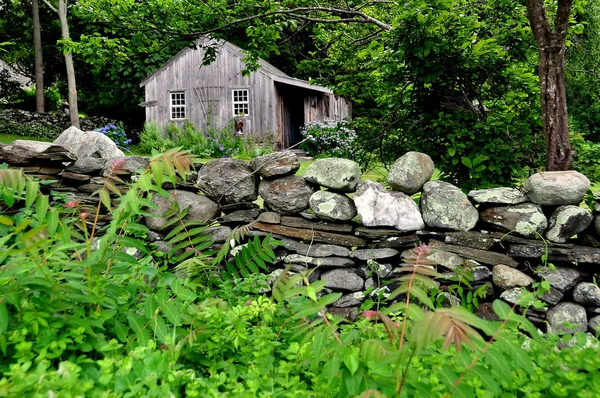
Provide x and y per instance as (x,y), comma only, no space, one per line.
(116,134)
(329,138)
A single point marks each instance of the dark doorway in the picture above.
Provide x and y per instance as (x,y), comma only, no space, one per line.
(291,108)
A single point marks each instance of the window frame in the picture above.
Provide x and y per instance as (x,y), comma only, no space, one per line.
(238,102)
(179,107)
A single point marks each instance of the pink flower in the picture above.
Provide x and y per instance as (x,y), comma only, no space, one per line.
(72,204)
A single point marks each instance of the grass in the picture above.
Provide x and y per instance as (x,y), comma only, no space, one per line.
(9,138)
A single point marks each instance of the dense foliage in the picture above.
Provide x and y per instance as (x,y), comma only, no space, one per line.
(97,312)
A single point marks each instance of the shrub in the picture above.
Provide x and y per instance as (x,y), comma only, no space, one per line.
(116,134)
(329,138)
(587,157)
(41,130)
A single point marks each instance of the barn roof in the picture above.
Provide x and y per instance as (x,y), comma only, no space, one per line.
(274,73)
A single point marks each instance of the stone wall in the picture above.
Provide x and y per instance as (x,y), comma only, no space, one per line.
(46,125)
(355,235)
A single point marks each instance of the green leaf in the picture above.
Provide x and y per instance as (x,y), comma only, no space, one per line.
(467,162)
(351,359)
(3,318)
(121,331)
(172,313)
(138,325)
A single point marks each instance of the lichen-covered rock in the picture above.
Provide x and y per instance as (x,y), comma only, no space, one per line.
(445,206)
(552,296)
(200,208)
(340,175)
(269,217)
(88,144)
(25,152)
(275,164)
(506,277)
(378,207)
(567,221)
(287,195)
(227,181)
(319,261)
(587,293)
(557,187)
(561,278)
(506,196)
(564,314)
(332,206)
(410,172)
(526,219)
(444,258)
(350,300)
(512,295)
(344,279)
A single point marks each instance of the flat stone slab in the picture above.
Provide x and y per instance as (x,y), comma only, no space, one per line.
(309,235)
(25,152)
(373,254)
(473,239)
(579,254)
(317,250)
(299,222)
(377,233)
(399,242)
(482,256)
(506,196)
(526,219)
(322,261)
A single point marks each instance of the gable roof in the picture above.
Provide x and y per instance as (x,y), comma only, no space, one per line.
(266,68)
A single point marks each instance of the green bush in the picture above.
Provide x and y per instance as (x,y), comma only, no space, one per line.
(329,139)
(40,130)
(587,157)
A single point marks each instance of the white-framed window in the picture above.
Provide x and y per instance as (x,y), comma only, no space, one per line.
(240,102)
(177,105)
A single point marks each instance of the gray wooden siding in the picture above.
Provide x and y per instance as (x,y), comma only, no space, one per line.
(209,93)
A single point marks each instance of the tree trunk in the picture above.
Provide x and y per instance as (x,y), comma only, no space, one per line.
(39,62)
(551,48)
(71,85)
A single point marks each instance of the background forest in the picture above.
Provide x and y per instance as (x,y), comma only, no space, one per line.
(453,78)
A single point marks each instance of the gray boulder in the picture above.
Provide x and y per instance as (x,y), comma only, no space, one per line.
(512,295)
(227,181)
(561,278)
(587,293)
(350,300)
(344,279)
(275,164)
(557,187)
(287,195)
(378,207)
(506,196)
(87,166)
(25,152)
(526,219)
(567,313)
(567,221)
(125,164)
(552,296)
(200,208)
(88,144)
(506,277)
(481,273)
(444,258)
(332,206)
(410,172)
(594,325)
(340,175)
(445,206)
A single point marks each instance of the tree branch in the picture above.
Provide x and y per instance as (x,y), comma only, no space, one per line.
(50,6)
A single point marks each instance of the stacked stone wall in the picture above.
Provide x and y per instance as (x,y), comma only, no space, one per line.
(354,235)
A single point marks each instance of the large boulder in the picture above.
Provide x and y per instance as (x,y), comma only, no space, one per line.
(88,144)
(275,164)
(378,207)
(526,219)
(502,196)
(557,187)
(332,206)
(25,153)
(200,208)
(227,181)
(410,172)
(567,318)
(567,221)
(287,195)
(340,175)
(445,206)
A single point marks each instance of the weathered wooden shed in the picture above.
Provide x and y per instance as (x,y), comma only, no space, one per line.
(268,102)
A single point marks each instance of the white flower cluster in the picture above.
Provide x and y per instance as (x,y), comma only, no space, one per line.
(332,138)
